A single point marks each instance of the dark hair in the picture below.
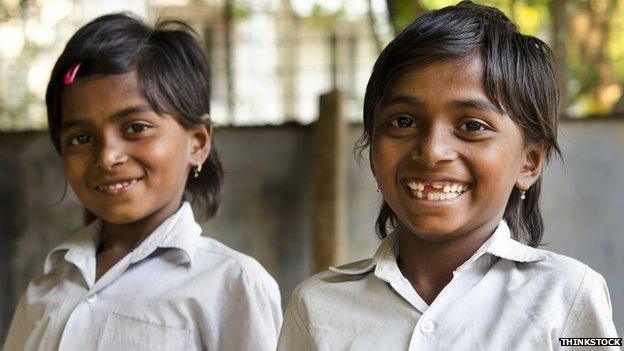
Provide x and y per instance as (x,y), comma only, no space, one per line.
(171,68)
(519,76)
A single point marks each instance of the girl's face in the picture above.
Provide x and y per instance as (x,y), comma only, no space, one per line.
(445,158)
(124,161)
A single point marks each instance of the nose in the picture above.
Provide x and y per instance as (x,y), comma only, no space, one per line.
(111,153)
(435,145)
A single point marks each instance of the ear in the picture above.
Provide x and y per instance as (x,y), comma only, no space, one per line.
(201,140)
(532,162)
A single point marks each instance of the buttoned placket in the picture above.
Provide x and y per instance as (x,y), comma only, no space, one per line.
(464,278)
(89,301)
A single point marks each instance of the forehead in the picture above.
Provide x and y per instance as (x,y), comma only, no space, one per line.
(456,77)
(101,95)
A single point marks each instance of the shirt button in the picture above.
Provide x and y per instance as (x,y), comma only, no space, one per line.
(91,298)
(427,326)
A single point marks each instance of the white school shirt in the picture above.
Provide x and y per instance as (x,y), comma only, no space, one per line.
(176,291)
(507,296)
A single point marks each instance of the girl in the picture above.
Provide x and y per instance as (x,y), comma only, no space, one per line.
(459,117)
(128,112)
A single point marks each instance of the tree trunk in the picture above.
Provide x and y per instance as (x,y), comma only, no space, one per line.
(559,28)
(229,58)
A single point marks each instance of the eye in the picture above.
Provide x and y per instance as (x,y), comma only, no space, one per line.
(79,139)
(137,128)
(403,122)
(473,126)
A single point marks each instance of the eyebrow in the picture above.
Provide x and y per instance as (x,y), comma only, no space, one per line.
(478,104)
(460,104)
(81,122)
(402,99)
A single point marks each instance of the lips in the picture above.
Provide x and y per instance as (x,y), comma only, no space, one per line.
(435,190)
(117,186)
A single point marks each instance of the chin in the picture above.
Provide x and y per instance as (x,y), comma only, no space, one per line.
(432,230)
(119,215)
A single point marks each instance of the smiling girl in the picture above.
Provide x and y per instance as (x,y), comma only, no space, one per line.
(128,111)
(459,117)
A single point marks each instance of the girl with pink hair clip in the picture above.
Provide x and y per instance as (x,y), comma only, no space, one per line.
(128,111)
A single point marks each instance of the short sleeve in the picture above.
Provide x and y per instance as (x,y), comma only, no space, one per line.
(294,335)
(591,314)
(253,323)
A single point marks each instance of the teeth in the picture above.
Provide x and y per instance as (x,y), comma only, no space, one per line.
(441,190)
(117,186)
(444,187)
(416,186)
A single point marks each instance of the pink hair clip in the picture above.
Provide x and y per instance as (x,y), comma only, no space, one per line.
(70,76)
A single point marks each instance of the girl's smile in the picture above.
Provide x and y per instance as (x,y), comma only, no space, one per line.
(445,157)
(117,187)
(433,190)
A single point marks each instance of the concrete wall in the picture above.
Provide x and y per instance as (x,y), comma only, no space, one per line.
(266,204)
(31,182)
(583,202)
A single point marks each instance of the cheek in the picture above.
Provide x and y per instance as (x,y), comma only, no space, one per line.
(496,169)
(163,151)
(383,161)
(168,156)
(74,169)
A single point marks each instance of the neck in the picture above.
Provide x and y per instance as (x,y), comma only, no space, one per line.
(429,265)
(124,237)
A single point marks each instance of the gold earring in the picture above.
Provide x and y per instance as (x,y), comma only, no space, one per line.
(522,194)
(197,169)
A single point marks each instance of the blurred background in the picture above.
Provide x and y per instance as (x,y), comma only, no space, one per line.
(288,80)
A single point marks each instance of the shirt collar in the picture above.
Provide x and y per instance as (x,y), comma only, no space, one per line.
(386,252)
(504,246)
(180,231)
(78,248)
(500,244)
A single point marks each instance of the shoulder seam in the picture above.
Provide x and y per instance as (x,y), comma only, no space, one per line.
(264,286)
(294,311)
(266,298)
(578,290)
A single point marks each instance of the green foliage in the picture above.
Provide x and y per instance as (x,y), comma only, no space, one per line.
(404,13)
(596,80)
